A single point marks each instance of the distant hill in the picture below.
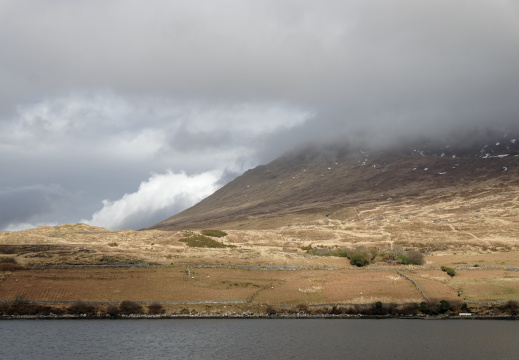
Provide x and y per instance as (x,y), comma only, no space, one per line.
(333,180)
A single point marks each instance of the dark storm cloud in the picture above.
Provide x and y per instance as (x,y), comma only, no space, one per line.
(98,95)
(415,62)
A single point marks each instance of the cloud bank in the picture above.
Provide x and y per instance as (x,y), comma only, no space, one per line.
(98,95)
(156,199)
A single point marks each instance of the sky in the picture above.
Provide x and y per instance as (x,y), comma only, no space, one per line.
(121,113)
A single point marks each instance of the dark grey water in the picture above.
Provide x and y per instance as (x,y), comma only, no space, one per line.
(258,339)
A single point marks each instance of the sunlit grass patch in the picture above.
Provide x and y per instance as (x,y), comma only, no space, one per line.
(214,233)
(197,240)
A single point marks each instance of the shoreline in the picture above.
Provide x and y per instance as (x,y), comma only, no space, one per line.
(258,316)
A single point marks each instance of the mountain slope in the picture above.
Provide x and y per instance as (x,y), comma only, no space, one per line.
(322,182)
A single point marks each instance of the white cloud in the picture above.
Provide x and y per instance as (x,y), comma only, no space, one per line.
(162,194)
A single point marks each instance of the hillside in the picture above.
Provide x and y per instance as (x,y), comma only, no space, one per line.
(333,182)
(285,222)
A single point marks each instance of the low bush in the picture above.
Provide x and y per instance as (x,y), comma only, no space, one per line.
(271,310)
(128,307)
(415,257)
(434,307)
(378,309)
(197,240)
(325,251)
(214,233)
(409,309)
(359,259)
(403,259)
(397,253)
(21,306)
(428,308)
(80,307)
(113,311)
(156,309)
(449,271)
(511,308)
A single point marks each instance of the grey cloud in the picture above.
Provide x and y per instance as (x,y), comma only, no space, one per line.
(24,204)
(99,94)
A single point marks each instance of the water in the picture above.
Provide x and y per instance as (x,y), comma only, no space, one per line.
(258,339)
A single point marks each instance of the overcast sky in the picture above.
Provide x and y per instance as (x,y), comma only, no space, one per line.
(122,113)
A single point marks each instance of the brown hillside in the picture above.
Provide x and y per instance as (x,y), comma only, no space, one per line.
(332,183)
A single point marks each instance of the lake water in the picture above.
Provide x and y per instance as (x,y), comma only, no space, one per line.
(259,339)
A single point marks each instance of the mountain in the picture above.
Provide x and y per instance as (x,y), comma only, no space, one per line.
(331,182)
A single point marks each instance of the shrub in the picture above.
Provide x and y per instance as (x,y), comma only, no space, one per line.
(21,306)
(156,309)
(342,253)
(359,259)
(409,309)
(403,259)
(449,271)
(444,306)
(271,310)
(415,257)
(377,309)
(113,311)
(196,240)
(325,251)
(128,307)
(511,307)
(428,308)
(113,244)
(214,233)
(80,307)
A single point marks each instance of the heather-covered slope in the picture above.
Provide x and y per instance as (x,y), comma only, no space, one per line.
(333,181)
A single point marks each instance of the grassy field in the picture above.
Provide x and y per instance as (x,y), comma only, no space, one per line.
(465,229)
(183,284)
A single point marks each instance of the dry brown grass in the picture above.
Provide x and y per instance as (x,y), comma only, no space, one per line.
(174,284)
(477,225)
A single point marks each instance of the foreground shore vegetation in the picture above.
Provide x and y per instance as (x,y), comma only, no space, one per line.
(434,308)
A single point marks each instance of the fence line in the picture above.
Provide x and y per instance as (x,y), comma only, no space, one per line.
(414,283)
